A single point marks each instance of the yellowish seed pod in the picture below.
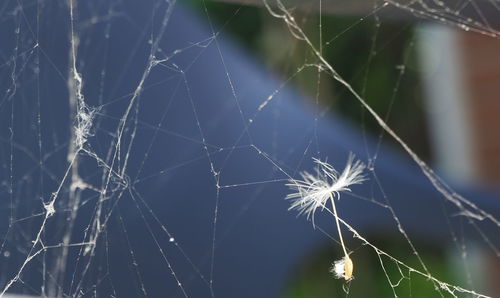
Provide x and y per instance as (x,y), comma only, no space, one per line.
(348,268)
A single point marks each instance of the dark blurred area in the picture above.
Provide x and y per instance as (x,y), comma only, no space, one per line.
(376,56)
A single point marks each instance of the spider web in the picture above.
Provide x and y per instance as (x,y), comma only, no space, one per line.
(145,155)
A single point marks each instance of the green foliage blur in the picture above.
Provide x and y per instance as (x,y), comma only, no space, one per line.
(370,279)
(376,57)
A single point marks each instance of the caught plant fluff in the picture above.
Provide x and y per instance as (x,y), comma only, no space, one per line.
(343,268)
(314,190)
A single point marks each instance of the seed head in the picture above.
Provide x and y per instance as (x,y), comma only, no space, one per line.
(343,268)
(314,190)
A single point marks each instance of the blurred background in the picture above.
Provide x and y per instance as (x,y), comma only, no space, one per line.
(434,82)
(203,110)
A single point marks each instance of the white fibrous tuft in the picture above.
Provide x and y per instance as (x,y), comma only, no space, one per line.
(314,190)
(342,268)
(84,119)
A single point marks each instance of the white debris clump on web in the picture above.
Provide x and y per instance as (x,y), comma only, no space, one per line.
(314,190)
